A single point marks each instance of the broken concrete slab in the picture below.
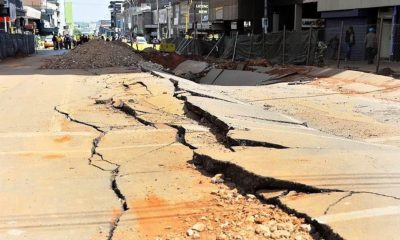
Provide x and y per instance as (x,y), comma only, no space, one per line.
(290,136)
(190,66)
(351,215)
(199,136)
(211,76)
(88,113)
(151,176)
(260,69)
(365,169)
(235,115)
(240,78)
(194,88)
(265,76)
(57,191)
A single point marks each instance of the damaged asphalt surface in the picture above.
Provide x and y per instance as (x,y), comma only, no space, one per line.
(101,155)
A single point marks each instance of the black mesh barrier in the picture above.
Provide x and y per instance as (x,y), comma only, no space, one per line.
(299,47)
(13,44)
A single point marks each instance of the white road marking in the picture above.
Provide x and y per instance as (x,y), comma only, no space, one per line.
(85,151)
(353,215)
(44,134)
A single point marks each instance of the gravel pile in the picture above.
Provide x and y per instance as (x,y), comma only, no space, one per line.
(231,215)
(95,54)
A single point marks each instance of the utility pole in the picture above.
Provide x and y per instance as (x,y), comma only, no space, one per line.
(201,15)
(340,45)
(169,11)
(265,23)
(188,15)
(158,21)
(378,62)
(194,20)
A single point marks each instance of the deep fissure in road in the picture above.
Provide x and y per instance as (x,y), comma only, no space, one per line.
(246,181)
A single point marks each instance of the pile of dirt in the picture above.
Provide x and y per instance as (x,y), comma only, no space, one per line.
(167,60)
(95,54)
(239,65)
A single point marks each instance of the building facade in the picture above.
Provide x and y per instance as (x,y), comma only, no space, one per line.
(165,18)
(11,15)
(363,15)
(257,16)
(50,16)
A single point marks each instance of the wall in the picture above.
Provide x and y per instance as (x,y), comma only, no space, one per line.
(228,9)
(332,5)
(12,44)
(333,27)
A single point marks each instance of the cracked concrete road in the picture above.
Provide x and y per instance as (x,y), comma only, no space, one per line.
(96,155)
(45,176)
(272,151)
(112,155)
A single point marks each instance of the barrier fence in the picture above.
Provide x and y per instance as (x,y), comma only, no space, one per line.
(286,47)
(13,44)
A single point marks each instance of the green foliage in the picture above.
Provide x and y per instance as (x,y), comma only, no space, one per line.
(77,32)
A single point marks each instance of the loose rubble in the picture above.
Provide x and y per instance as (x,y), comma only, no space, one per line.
(218,178)
(95,54)
(232,215)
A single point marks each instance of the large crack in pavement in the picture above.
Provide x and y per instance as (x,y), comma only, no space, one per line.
(132,112)
(113,173)
(70,118)
(218,126)
(247,181)
(250,182)
(181,136)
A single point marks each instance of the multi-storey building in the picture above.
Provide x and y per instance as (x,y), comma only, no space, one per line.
(117,20)
(10,11)
(190,17)
(165,18)
(50,20)
(257,16)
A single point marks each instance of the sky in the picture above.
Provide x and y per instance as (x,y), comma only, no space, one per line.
(90,10)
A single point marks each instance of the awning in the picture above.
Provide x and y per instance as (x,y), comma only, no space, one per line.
(32,13)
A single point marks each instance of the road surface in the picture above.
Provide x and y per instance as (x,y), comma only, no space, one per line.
(78,162)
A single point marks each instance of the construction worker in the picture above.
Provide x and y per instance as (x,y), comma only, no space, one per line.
(371,45)
(60,41)
(55,42)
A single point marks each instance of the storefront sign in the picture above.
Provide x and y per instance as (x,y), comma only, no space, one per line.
(314,23)
(4,19)
(202,8)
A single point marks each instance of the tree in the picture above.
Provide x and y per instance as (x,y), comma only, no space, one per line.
(77,32)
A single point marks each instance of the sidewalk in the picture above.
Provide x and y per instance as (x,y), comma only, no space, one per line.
(364,67)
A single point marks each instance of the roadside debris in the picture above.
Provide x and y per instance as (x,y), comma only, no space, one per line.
(168,60)
(241,65)
(95,54)
(243,217)
(190,67)
(218,178)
